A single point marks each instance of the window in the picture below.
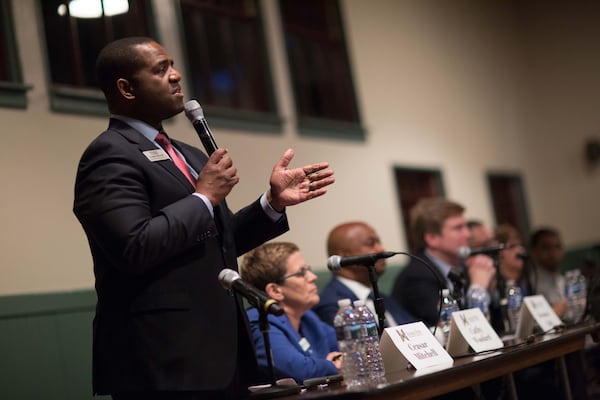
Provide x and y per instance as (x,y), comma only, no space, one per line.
(73,43)
(319,68)
(228,66)
(413,185)
(508,201)
(12,89)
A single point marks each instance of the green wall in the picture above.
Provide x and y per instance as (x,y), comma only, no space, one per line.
(45,346)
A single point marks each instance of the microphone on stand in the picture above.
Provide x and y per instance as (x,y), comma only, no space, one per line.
(196,116)
(231,280)
(335,263)
(466,252)
(458,283)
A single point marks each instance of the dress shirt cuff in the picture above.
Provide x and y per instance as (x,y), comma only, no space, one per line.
(206,202)
(270,211)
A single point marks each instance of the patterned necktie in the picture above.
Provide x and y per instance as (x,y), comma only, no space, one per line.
(162,139)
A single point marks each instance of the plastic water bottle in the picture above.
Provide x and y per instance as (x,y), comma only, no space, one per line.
(569,294)
(348,330)
(582,303)
(479,298)
(514,299)
(576,293)
(370,338)
(449,306)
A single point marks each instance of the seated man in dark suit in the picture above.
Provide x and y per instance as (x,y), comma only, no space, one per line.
(350,239)
(439,228)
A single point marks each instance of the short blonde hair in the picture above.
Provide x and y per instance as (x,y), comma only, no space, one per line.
(266,264)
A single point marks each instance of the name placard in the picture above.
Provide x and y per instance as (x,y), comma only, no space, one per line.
(412,344)
(536,310)
(471,328)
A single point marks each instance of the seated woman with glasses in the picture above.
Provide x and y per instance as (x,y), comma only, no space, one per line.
(301,344)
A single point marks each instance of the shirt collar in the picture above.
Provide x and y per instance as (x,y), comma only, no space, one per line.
(146,130)
(441,265)
(361,291)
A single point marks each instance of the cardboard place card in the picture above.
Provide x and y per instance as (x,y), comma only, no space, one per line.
(412,344)
(471,328)
(536,310)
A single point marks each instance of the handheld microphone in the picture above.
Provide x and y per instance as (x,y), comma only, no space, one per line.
(196,116)
(334,263)
(231,280)
(466,252)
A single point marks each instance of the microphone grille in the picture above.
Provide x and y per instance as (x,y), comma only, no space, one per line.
(227,277)
(333,263)
(464,252)
(193,110)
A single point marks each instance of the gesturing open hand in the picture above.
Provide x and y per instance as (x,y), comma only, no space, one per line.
(293,186)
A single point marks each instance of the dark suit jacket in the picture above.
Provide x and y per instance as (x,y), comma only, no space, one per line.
(336,290)
(417,288)
(163,322)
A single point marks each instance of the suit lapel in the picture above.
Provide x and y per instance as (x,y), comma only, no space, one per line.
(144,145)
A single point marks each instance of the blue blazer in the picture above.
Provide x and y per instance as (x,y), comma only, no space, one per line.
(336,290)
(289,358)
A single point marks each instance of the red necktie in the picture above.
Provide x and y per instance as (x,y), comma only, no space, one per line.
(162,139)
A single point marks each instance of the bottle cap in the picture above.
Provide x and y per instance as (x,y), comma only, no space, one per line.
(344,302)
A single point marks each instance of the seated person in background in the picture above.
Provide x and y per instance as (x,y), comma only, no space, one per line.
(512,258)
(481,234)
(546,251)
(439,228)
(352,239)
(302,345)
(510,267)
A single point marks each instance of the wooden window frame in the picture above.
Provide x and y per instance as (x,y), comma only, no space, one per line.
(13,92)
(439,190)
(87,100)
(319,126)
(268,121)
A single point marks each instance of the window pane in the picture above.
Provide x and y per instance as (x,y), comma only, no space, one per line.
(13,92)
(73,43)
(508,200)
(318,60)
(413,185)
(3,52)
(226,53)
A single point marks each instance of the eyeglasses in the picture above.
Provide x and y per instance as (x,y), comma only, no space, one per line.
(301,273)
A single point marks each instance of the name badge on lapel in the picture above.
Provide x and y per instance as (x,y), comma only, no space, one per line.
(156,155)
(304,344)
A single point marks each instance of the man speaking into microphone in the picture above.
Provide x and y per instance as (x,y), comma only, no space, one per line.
(348,241)
(160,231)
(439,230)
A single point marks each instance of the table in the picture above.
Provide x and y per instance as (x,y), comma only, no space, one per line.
(466,371)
